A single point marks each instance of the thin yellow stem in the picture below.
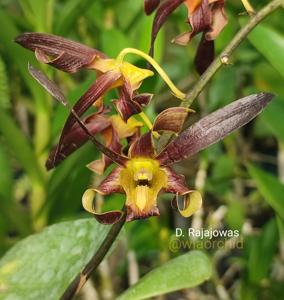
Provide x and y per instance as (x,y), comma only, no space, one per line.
(248,7)
(179,94)
(148,123)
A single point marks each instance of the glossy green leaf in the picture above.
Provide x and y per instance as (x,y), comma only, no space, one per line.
(270,44)
(270,187)
(185,271)
(42,265)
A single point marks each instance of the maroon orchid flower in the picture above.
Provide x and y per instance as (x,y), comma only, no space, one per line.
(147,174)
(144,174)
(112,128)
(70,56)
(204,16)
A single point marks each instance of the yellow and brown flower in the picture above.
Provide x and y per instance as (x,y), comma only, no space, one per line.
(147,174)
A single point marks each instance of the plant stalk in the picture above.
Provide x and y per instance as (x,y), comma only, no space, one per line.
(79,281)
(223,58)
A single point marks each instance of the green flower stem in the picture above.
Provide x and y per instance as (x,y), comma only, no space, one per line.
(223,58)
(79,281)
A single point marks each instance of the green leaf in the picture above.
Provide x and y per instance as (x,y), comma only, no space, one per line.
(20,147)
(273,47)
(185,271)
(273,117)
(42,265)
(4,89)
(270,187)
(261,252)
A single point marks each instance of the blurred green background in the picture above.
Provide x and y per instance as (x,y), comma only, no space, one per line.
(241,178)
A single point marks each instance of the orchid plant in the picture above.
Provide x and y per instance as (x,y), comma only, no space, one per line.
(138,152)
(141,173)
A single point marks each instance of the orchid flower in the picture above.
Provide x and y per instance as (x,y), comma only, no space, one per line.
(144,174)
(206,16)
(70,56)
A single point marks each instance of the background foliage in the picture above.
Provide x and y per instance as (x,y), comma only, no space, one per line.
(242,178)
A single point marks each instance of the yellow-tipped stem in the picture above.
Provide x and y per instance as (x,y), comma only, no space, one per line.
(179,94)
(148,123)
(248,7)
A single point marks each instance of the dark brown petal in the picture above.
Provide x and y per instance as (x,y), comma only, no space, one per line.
(219,20)
(214,127)
(200,21)
(77,137)
(97,89)
(131,215)
(204,55)
(125,105)
(165,9)
(59,52)
(111,183)
(143,99)
(171,119)
(150,6)
(176,183)
(142,147)
(112,142)
(126,108)
(56,93)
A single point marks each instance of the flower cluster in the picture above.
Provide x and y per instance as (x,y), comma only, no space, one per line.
(141,172)
(204,16)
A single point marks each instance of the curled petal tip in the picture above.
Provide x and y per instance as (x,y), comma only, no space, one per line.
(106,218)
(192,202)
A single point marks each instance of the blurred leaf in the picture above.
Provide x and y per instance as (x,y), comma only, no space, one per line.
(222,89)
(270,188)
(42,265)
(261,252)
(20,147)
(69,13)
(235,215)
(273,47)
(273,117)
(185,271)
(4,89)
(6,177)
(113,41)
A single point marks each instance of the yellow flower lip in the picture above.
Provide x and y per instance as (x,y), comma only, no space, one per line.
(142,179)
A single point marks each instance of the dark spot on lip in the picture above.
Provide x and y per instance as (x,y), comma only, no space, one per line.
(143,182)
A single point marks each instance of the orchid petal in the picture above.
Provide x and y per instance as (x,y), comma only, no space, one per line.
(219,20)
(77,137)
(125,129)
(150,6)
(165,9)
(204,55)
(59,52)
(175,183)
(108,186)
(171,119)
(214,127)
(192,202)
(112,142)
(142,147)
(97,89)
(200,20)
(57,94)
(143,99)
(107,218)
